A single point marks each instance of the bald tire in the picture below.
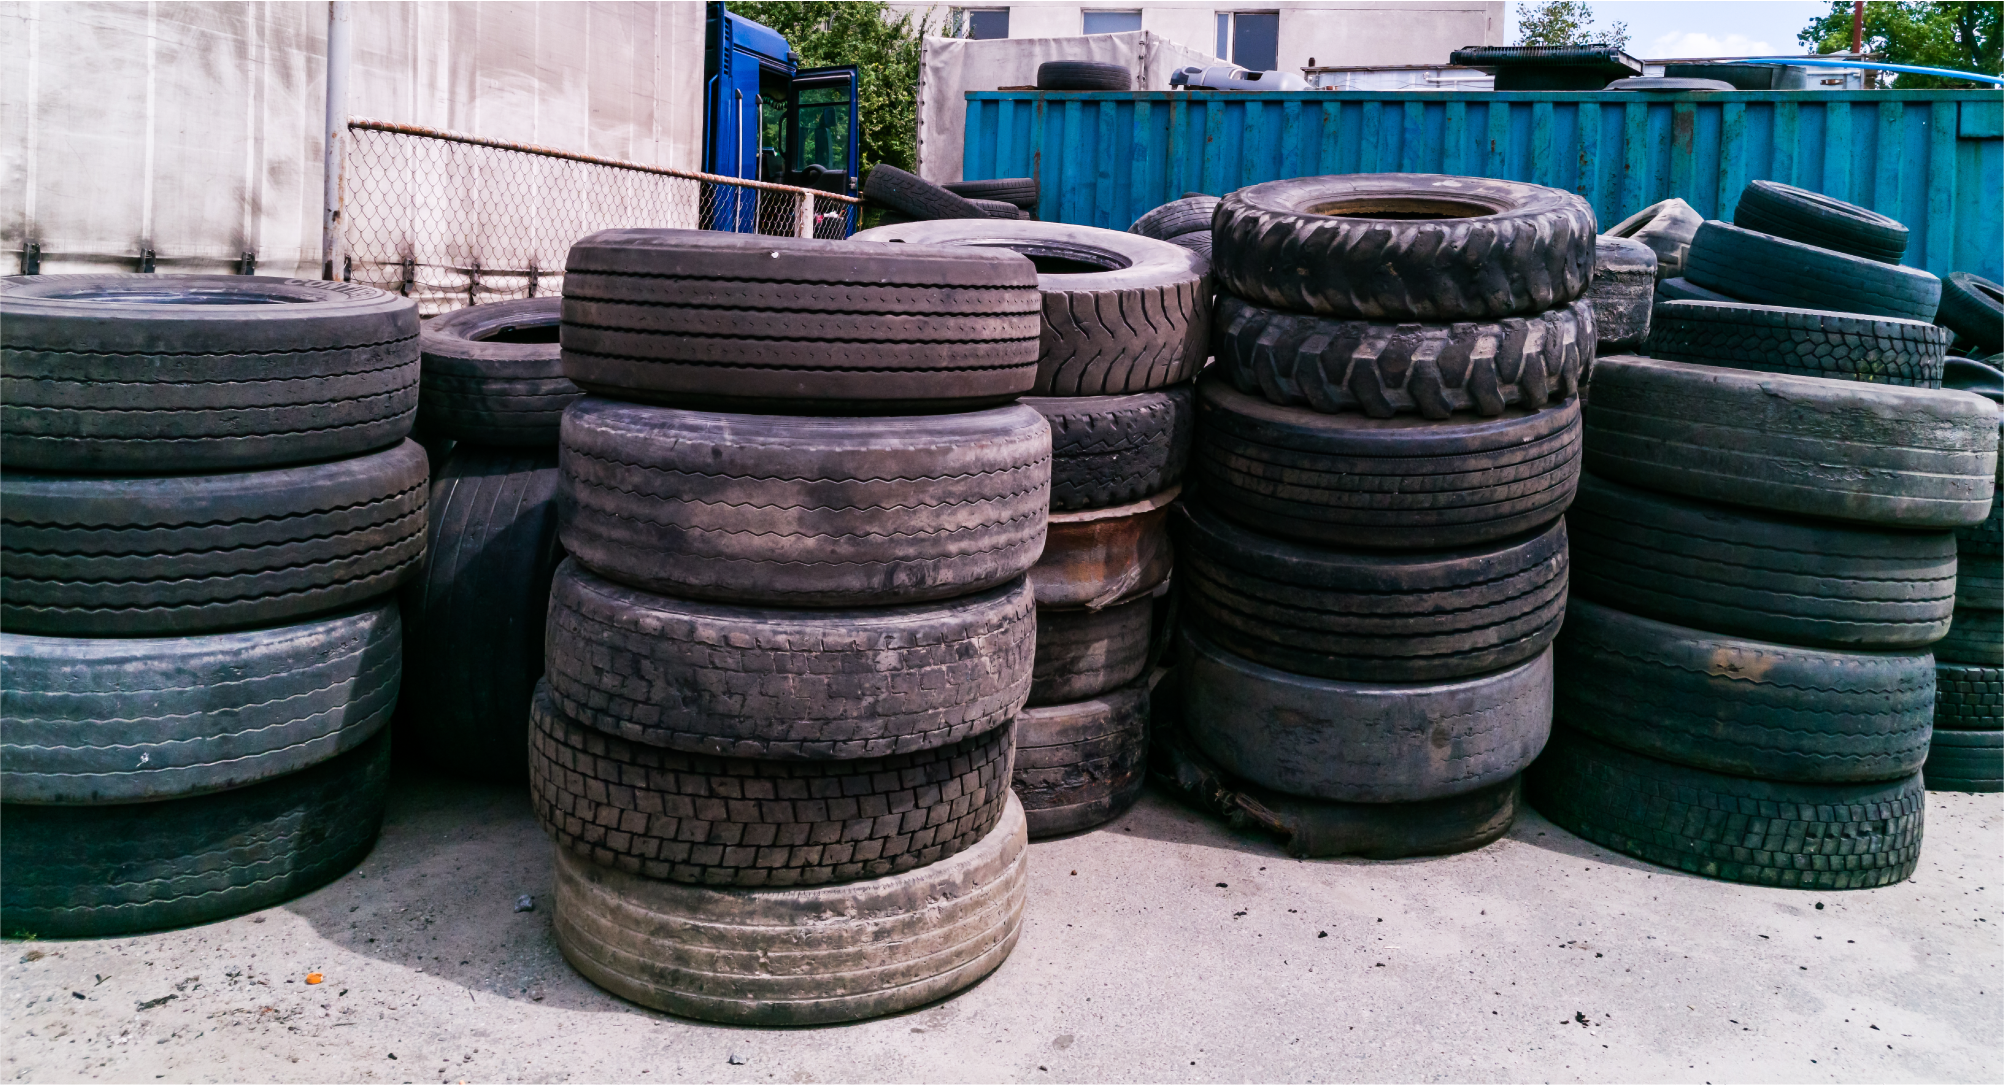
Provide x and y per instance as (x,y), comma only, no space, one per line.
(494,374)
(1082,764)
(798,957)
(1965,761)
(1083,653)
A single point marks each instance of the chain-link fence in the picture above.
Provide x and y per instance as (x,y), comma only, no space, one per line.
(452,220)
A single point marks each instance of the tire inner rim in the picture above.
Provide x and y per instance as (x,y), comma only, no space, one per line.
(166,294)
(1400,206)
(1058,257)
(530,331)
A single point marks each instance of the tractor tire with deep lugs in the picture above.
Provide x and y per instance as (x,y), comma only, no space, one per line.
(494,374)
(1111,450)
(1766,270)
(1805,342)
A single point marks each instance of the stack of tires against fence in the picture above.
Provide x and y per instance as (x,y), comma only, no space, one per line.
(1125,325)
(207,505)
(491,395)
(1373,557)
(774,738)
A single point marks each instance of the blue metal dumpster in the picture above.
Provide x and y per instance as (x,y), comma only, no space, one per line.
(1933,159)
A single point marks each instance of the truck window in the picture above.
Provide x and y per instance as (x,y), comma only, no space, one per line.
(824,129)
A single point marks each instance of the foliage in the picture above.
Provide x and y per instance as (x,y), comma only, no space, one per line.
(885,49)
(1966,36)
(1565,22)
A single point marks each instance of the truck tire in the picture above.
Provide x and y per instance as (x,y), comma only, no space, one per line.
(1397,483)
(1083,75)
(1370,616)
(1112,450)
(111,374)
(97,721)
(1974,636)
(1987,538)
(1198,242)
(1755,574)
(1434,370)
(1666,227)
(1908,458)
(1189,215)
(787,685)
(915,196)
(476,613)
(1804,342)
(1019,191)
(494,374)
(1682,289)
(1448,248)
(1770,207)
(1362,741)
(96,871)
(1081,764)
(793,511)
(697,316)
(1122,313)
(1082,654)
(1973,308)
(1968,698)
(1739,706)
(1766,270)
(1622,291)
(1965,761)
(171,556)
(998,209)
(1099,557)
(802,956)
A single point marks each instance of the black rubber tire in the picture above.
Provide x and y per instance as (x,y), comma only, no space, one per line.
(1433,370)
(1791,836)
(1362,741)
(1658,84)
(1082,764)
(798,511)
(98,721)
(1987,538)
(1755,574)
(1770,207)
(1968,698)
(1622,291)
(151,556)
(1737,76)
(998,209)
(1973,308)
(1739,706)
(1082,654)
(915,196)
(1198,242)
(1189,215)
(1766,270)
(473,644)
(699,316)
(1083,75)
(1804,342)
(1362,616)
(108,374)
(1099,557)
(1398,483)
(1122,313)
(1111,450)
(1499,248)
(704,820)
(1974,636)
(787,685)
(1979,583)
(96,871)
(494,374)
(1019,191)
(1666,227)
(797,956)
(1965,761)
(1912,458)
(1682,289)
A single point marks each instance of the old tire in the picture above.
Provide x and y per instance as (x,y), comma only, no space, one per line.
(916,196)
(1622,291)
(796,511)
(1083,75)
(1083,763)
(1792,836)
(1682,289)
(1965,761)
(494,374)
(109,374)
(1189,215)
(1974,636)
(1020,191)
(697,316)
(1667,228)
(1987,538)
(1098,557)
(998,209)
(1766,270)
(1968,697)
(168,556)
(1804,342)
(1448,248)
(1973,308)
(1770,207)
(1082,653)
(1111,450)
(1912,458)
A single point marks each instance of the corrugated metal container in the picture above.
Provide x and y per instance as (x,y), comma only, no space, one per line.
(1933,159)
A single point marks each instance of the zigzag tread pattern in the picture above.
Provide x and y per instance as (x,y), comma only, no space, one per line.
(1112,342)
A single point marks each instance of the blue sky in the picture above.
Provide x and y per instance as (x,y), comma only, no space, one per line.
(1701,28)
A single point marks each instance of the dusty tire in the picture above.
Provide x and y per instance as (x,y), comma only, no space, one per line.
(168,556)
(916,196)
(1121,313)
(1766,270)
(1082,764)
(1812,218)
(1804,342)
(1622,291)
(1082,653)
(1666,227)
(1968,698)
(1973,308)
(776,957)
(1911,458)
(1396,483)
(1020,191)
(1965,761)
(789,685)
(1112,450)
(1793,836)
(1083,75)
(1974,636)
(1987,538)
(1199,243)
(494,374)
(998,209)
(1484,248)
(1189,215)
(1433,370)
(109,374)
(1682,289)
(94,871)
(697,316)
(1099,557)
(795,511)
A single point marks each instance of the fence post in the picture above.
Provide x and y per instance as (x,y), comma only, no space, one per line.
(803,214)
(335,134)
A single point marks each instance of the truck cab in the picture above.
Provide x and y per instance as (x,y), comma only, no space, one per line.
(768,119)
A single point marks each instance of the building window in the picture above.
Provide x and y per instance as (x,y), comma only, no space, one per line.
(1250,39)
(986,23)
(1112,22)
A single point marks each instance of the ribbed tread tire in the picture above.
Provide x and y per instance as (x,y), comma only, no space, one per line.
(1082,764)
(1084,653)
(1369,616)
(1111,450)
(803,956)
(1812,218)
(1987,538)
(1518,249)
(1805,342)
(146,556)
(1865,453)
(1020,191)
(1189,215)
(1623,290)
(794,511)
(95,871)
(106,374)
(1973,308)
(789,685)
(1974,636)
(1083,75)
(480,388)
(1739,706)
(1791,836)
(1968,697)
(1397,483)
(1965,761)
(1766,270)
(915,196)
(1756,574)
(1433,370)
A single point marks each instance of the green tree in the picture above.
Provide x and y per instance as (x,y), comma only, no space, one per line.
(884,48)
(1565,22)
(1966,36)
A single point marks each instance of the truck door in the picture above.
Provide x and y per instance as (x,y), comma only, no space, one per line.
(821,144)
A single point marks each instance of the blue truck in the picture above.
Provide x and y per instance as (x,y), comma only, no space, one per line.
(765,118)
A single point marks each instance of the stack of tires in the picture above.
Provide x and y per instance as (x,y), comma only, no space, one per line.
(207,506)
(1373,565)
(895,196)
(491,396)
(1125,325)
(774,738)
(1967,753)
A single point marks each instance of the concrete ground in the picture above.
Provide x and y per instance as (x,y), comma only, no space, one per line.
(1541,957)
